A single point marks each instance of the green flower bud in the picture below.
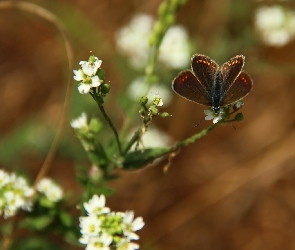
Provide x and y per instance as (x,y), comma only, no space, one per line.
(165,114)
(143,100)
(239,117)
(169,20)
(162,9)
(91,59)
(105,88)
(158,27)
(101,74)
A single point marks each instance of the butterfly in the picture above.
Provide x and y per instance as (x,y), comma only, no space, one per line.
(211,85)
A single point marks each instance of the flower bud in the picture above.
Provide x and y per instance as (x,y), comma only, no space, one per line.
(143,100)
(239,117)
(105,88)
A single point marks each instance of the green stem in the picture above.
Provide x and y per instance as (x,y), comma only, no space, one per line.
(112,127)
(196,136)
(134,139)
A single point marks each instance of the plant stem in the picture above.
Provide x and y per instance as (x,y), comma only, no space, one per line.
(196,136)
(112,127)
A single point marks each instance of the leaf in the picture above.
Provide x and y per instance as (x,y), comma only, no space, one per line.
(137,159)
(95,125)
(65,219)
(37,223)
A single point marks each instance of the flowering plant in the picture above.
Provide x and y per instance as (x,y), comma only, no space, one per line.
(46,205)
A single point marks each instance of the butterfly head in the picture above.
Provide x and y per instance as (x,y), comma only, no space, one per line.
(216,110)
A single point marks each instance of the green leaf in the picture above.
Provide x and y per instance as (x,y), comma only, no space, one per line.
(36,223)
(138,159)
(95,125)
(66,219)
(44,202)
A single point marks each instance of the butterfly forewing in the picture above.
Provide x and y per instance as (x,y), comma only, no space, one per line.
(239,89)
(230,71)
(189,87)
(205,70)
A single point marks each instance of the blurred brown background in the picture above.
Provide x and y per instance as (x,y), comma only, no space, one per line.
(233,189)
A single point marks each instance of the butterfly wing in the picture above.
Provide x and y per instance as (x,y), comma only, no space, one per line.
(205,70)
(188,86)
(239,89)
(231,70)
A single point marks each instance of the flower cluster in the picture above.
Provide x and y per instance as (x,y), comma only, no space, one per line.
(275,24)
(87,75)
(103,229)
(52,191)
(132,41)
(15,193)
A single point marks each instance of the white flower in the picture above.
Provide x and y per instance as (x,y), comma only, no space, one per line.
(158,101)
(4,178)
(210,114)
(86,76)
(132,40)
(239,104)
(14,195)
(80,122)
(90,68)
(52,191)
(84,88)
(155,137)
(96,205)
(79,75)
(54,194)
(90,225)
(125,244)
(275,24)
(175,48)
(129,225)
(101,242)
(139,88)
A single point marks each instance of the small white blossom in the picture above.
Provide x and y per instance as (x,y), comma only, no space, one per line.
(101,242)
(4,178)
(105,230)
(130,226)
(275,25)
(15,194)
(90,225)
(132,41)
(239,104)
(210,114)
(51,190)
(158,101)
(87,75)
(80,122)
(96,205)
(175,48)
(125,244)
(90,68)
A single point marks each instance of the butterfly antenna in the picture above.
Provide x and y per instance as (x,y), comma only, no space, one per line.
(199,123)
(233,126)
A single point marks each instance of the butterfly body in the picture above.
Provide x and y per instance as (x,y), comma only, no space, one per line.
(211,85)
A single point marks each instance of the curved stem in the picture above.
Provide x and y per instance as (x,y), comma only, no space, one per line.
(35,9)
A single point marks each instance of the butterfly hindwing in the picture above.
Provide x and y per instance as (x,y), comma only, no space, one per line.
(188,86)
(239,89)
